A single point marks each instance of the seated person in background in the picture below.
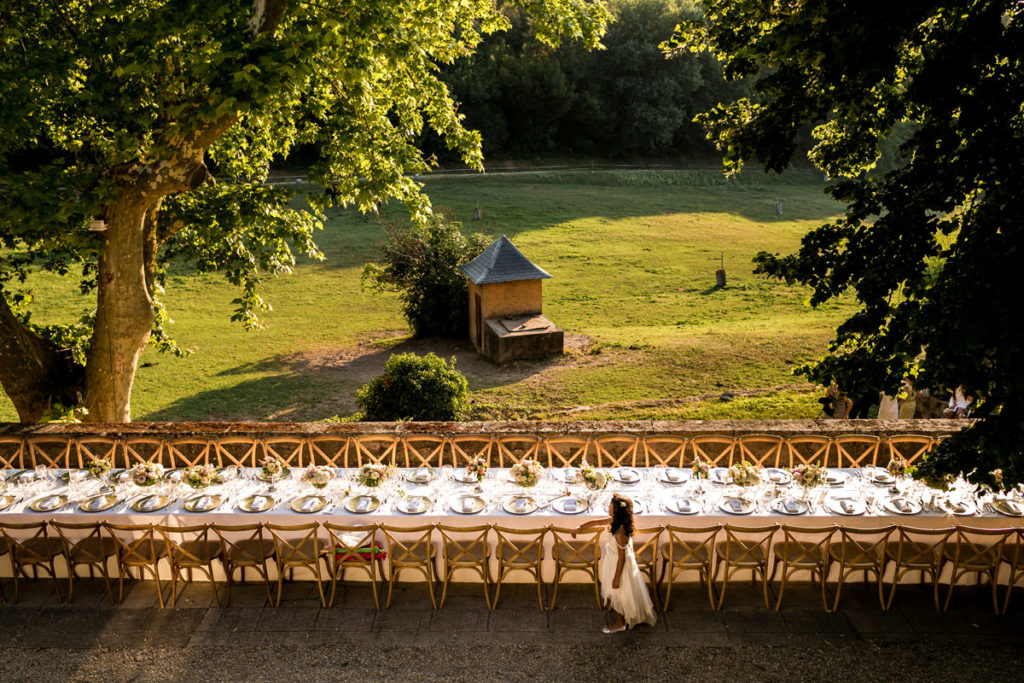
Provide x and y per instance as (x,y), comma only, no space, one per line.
(959,404)
(833,405)
(908,405)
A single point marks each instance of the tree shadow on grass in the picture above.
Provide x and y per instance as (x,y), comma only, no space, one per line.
(323,383)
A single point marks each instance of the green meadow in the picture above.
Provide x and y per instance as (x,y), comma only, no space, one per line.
(633,255)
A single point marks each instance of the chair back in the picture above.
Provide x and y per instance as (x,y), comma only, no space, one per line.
(669,451)
(409,546)
(96,448)
(189,452)
(237,451)
(910,447)
(241,545)
(764,450)
(465,545)
(862,547)
(12,452)
(566,451)
(747,546)
(466,448)
(521,548)
(806,545)
(854,450)
(690,545)
(616,451)
(717,450)
(376,449)
(296,544)
(287,449)
(142,450)
(808,450)
(25,546)
(978,548)
(51,452)
(581,551)
(182,542)
(137,545)
(71,535)
(352,545)
(423,450)
(918,546)
(514,448)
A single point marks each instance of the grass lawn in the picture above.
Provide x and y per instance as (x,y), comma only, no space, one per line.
(633,256)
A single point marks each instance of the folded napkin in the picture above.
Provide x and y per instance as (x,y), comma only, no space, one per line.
(148,503)
(468,504)
(422,474)
(683,504)
(736,505)
(309,504)
(203,502)
(414,504)
(258,502)
(959,507)
(570,474)
(628,475)
(362,504)
(521,505)
(790,505)
(847,506)
(901,505)
(569,505)
(673,474)
(1011,507)
(776,476)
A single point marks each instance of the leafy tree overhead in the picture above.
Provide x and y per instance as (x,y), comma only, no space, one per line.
(931,247)
(116,110)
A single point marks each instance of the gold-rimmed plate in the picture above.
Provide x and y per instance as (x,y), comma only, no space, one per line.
(626,475)
(7,500)
(263,476)
(23,477)
(736,506)
(307,505)
(849,507)
(570,505)
(258,502)
(879,476)
(467,505)
(959,508)
(777,475)
(519,505)
(154,502)
(121,476)
(100,503)
(1010,508)
(414,505)
(420,475)
(361,505)
(48,503)
(789,506)
(204,502)
(464,477)
(902,506)
(683,506)
(673,476)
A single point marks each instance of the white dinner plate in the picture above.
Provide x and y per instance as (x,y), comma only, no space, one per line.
(151,503)
(777,476)
(789,506)
(48,503)
(846,506)
(835,478)
(683,506)
(736,506)
(960,508)
(414,505)
(902,506)
(519,505)
(99,503)
(467,505)
(674,476)
(1007,507)
(309,504)
(571,505)
(464,477)
(361,505)
(626,475)
(204,502)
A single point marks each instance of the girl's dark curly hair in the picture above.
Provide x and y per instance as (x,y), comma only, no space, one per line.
(622,514)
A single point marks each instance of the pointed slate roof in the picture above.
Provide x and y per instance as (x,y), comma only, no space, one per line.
(501,262)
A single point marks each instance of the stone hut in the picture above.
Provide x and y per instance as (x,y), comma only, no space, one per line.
(506,303)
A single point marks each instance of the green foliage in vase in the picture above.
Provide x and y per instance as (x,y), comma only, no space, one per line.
(421,263)
(931,247)
(415,388)
(114,114)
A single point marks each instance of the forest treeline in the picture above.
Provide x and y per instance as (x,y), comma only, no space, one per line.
(625,101)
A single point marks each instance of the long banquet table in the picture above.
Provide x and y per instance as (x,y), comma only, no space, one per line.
(651,491)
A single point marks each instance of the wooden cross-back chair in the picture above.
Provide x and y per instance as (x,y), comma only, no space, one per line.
(86,545)
(566,451)
(12,452)
(31,546)
(52,452)
(468,447)
(764,450)
(423,450)
(910,447)
(717,450)
(854,450)
(297,547)
(137,548)
(189,452)
(288,449)
(236,451)
(353,547)
(411,548)
(646,543)
(744,549)
(802,549)
(579,554)
(143,450)
(669,451)
(976,551)
(616,451)
(916,550)
(514,448)
(688,549)
(97,448)
(244,546)
(331,450)
(519,550)
(376,449)
(859,550)
(808,450)
(466,548)
(190,549)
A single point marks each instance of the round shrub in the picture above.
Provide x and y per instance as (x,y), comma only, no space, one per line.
(415,388)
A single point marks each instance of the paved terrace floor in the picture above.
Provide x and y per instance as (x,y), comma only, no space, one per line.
(41,640)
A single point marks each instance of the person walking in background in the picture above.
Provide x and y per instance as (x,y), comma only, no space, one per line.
(908,404)
(622,585)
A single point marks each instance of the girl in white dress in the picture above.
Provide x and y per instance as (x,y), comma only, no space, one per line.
(622,585)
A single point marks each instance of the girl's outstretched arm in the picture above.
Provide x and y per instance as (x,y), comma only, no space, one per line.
(602,521)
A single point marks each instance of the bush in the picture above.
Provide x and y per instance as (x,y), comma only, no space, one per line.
(415,388)
(421,263)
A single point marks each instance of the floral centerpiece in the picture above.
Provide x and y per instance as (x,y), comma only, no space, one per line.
(593,478)
(98,467)
(147,473)
(897,466)
(477,468)
(272,467)
(318,475)
(701,468)
(809,476)
(744,474)
(199,476)
(526,473)
(374,475)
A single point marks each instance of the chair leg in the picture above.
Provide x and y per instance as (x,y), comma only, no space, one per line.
(949,593)
(334,583)
(540,597)
(725,582)
(497,590)
(391,585)
(782,586)
(447,577)
(995,588)
(839,590)
(597,591)
(887,605)
(764,587)
(554,593)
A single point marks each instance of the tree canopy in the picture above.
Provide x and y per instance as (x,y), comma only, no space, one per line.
(932,247)
(121,111)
